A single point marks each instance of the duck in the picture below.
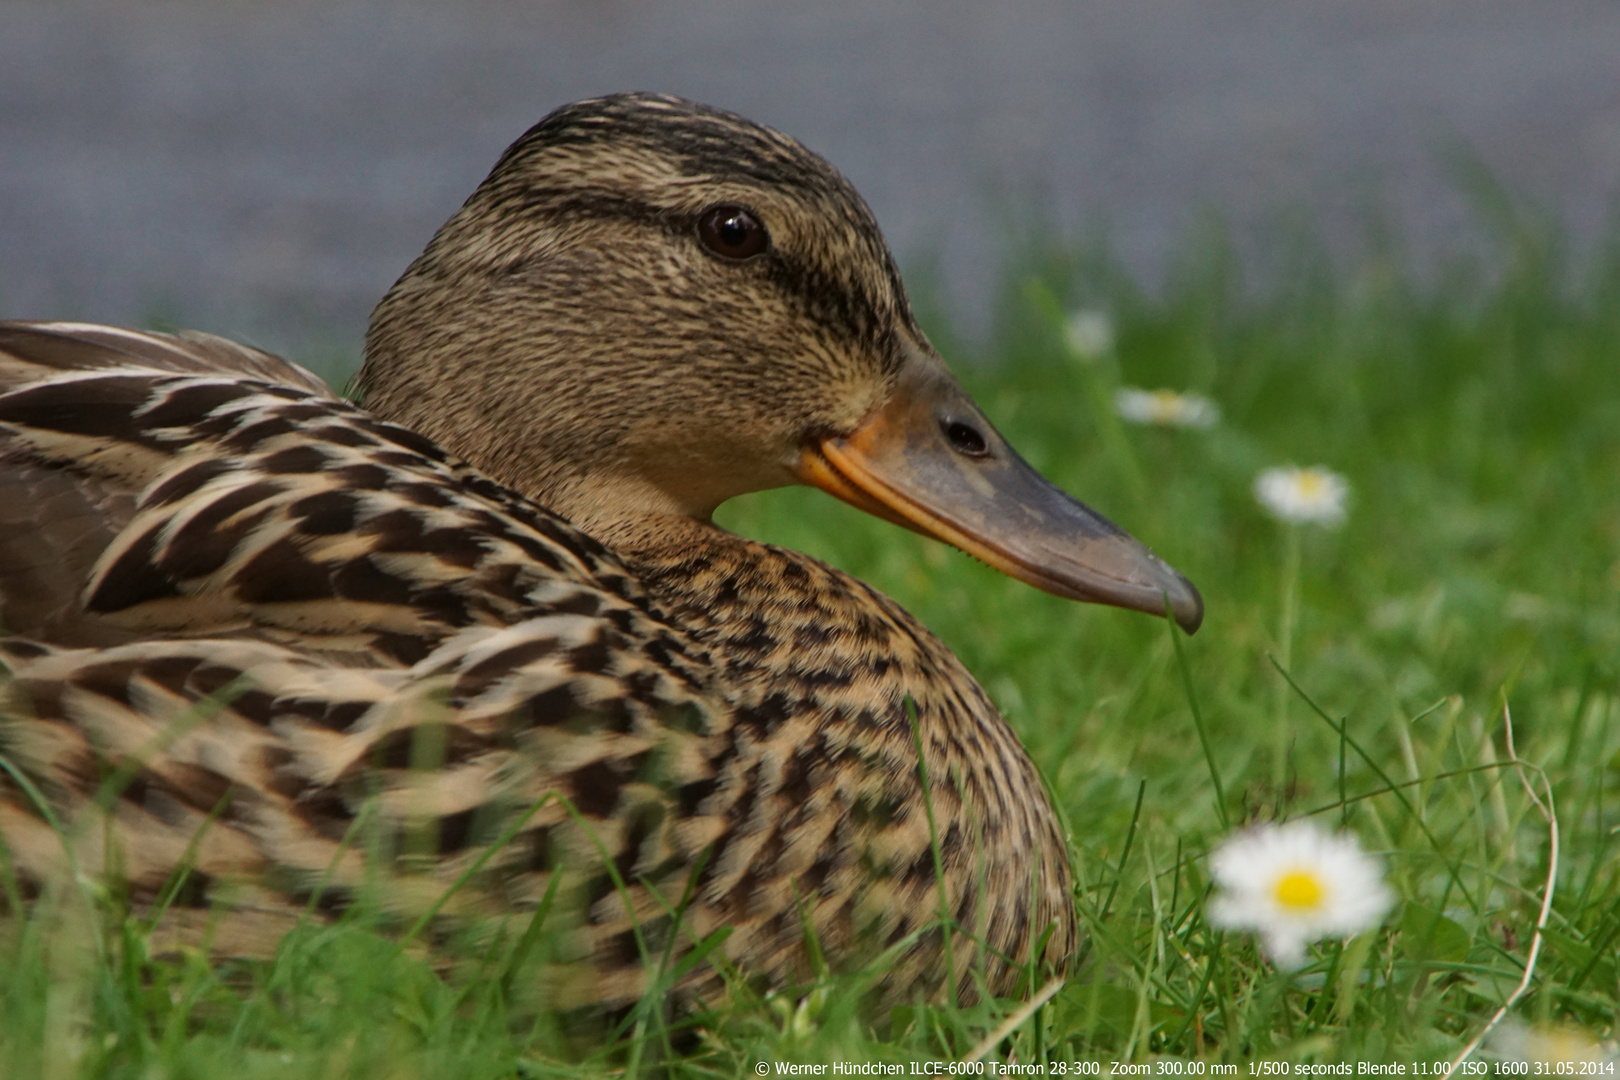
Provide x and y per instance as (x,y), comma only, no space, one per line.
(470,647)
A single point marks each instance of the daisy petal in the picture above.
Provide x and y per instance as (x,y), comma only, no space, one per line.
(1294,884)
(1313,496)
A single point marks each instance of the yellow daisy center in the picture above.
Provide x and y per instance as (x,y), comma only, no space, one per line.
(1299,890)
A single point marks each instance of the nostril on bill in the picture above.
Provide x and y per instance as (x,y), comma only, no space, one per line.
(965,438)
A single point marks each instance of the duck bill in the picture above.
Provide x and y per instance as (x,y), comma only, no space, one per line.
(929,460)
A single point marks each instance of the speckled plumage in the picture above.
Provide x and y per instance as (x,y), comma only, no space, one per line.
(499,582)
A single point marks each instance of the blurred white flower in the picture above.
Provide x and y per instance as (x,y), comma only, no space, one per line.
(1294,884)
(1090,333)
(1549,1045)
(1166,408)
(1313,496)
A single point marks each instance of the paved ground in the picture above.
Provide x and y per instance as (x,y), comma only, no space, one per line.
(267,169)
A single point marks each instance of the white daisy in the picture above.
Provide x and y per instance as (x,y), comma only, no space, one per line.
(1313,496)
(1166,408)
(1090,333)
(1294,884)
(1549,1045)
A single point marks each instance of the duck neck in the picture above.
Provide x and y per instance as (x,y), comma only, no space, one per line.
(782,621)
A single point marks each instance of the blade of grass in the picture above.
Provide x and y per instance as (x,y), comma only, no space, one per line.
(1125,851)
(1550,813)
(1395,789)
(467,875)
(1198,716)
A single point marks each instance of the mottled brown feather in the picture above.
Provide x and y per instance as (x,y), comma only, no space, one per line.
(265,604)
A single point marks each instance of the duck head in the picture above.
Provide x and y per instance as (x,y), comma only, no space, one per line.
(651,306)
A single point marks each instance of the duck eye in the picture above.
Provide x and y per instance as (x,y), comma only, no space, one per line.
(965,438)
(732,232)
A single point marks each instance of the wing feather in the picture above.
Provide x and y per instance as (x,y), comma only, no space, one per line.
(266,612)
(30,350)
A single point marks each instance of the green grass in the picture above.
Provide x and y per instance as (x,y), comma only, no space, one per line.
(1478,421)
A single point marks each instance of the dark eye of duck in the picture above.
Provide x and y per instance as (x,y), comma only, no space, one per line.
(965,438)
(732,232)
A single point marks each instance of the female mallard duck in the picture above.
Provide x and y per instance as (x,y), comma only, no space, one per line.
(281,639)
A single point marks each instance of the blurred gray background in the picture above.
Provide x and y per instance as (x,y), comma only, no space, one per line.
(266,170)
